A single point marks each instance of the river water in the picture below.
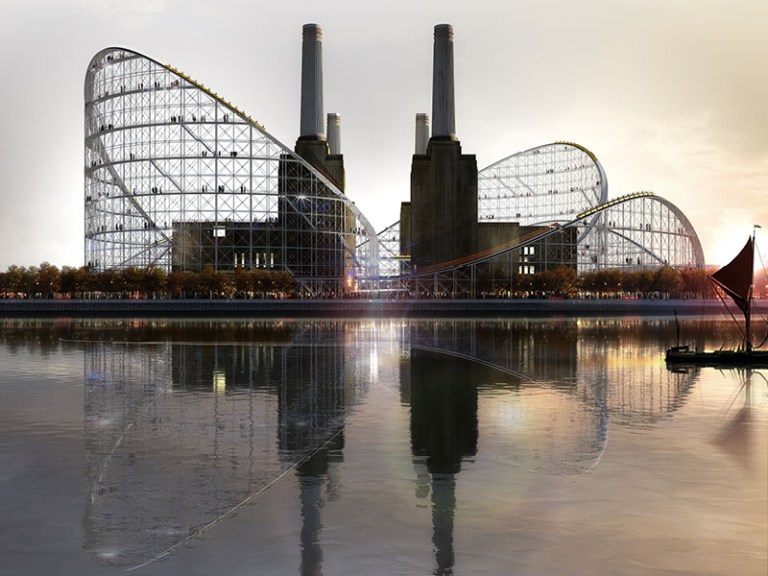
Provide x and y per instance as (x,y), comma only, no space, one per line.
(377,447)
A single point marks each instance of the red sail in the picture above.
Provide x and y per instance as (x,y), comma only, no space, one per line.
(736,277)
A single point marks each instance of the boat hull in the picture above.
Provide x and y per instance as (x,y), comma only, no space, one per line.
(679,355)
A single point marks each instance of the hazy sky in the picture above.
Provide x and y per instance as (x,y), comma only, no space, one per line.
(671,95)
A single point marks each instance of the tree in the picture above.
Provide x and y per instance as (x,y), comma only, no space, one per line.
(68,281)
(588,282)
(108,282)
(192,284)
(243,281)
(207,281)
(225,284)
(48,280)
(541,281)
(176,283)
(638,281)
(14,279)
(153,280)
(522,283)
(695,282)
(132,280)
(563,280)
(611,280)
(84,280)
(283,282)
(667,281)
(29,281)
(261,282)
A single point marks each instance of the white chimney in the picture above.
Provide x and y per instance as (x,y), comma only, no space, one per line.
(422,133)
(334,133)
(312,82)
(443,107)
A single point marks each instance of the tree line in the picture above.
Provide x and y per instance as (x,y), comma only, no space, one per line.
(48,281)
(666,282)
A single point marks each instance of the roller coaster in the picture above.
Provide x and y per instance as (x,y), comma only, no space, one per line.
(178,177)
(558,194)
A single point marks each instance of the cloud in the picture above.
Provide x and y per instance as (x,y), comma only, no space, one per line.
(135,9)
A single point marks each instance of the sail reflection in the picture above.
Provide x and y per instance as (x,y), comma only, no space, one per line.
(734,435)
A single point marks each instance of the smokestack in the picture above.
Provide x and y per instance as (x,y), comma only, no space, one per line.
(312,83)
(334,133)
(422,133)
(443,108)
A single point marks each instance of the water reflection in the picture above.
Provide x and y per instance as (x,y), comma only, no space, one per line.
(187,421)
(443,400)
(595,361)
(734,434)
(178,435)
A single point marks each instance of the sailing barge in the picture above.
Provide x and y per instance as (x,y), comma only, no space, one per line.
(736,279)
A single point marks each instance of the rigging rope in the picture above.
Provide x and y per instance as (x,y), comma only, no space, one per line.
(725,305)
(759,309)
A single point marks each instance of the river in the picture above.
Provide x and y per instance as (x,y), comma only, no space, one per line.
(470,446)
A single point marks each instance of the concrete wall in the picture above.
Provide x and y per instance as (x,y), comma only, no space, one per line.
(492,234)
(443,204)
(405,228)
(315,151)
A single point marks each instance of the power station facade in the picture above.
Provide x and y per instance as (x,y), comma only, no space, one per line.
(179,178)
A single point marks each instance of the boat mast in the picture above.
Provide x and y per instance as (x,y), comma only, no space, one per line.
(748,307)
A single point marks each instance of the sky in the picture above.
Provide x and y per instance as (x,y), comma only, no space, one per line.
(670,95)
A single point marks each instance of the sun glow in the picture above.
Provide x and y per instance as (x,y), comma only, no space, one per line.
(731,237)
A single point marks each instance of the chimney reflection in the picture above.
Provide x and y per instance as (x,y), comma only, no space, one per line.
(313,401)
(443,400)
(318,483)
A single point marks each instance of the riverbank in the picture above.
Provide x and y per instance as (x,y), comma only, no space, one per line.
(357,308)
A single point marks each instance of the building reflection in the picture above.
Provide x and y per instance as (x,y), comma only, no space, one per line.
(180,434)
(443,400)
(536,395)
(621,360)
(458,400)
(187,420)
(597,361)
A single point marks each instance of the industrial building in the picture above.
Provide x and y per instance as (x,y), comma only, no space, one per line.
(178,177)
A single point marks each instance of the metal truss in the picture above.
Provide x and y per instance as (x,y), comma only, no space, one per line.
(564,184)
(390,261)
(638,231)
(634,232)
(177,177)
(541,186)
